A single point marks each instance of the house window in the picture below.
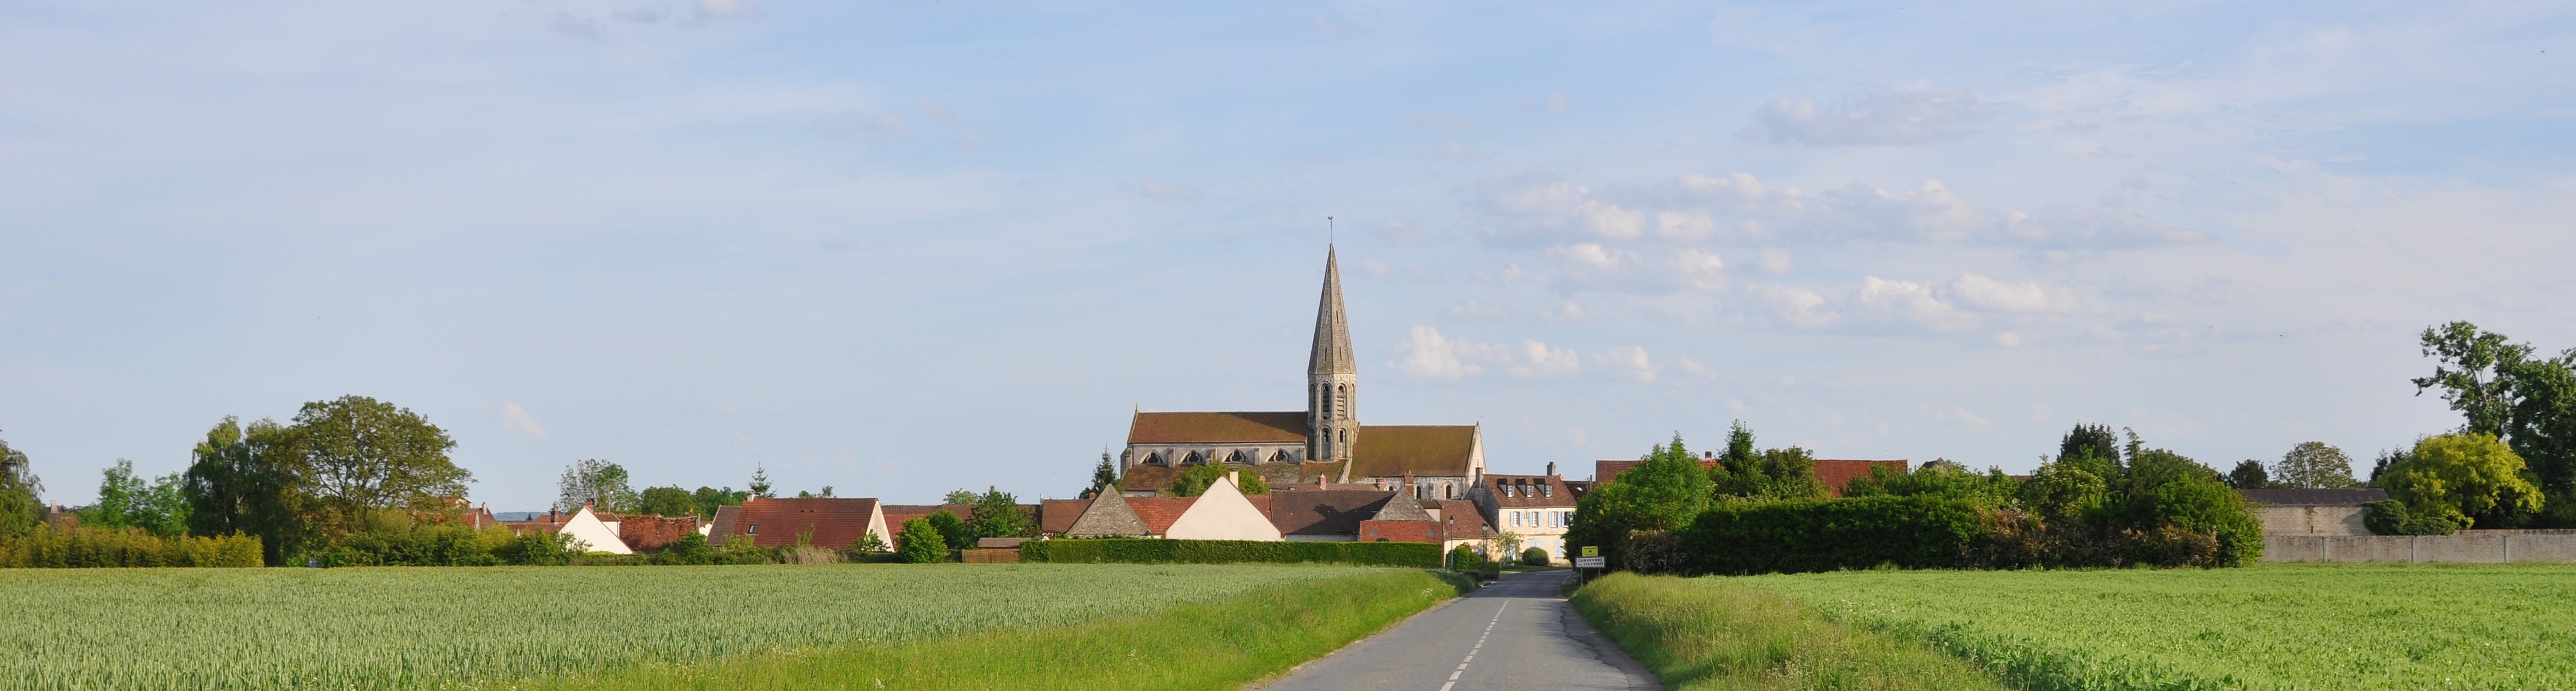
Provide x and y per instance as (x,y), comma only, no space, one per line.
(1547,491)
(755,529)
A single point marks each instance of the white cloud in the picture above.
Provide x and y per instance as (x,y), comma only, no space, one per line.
(515,417)
(1912,302)
(1593,266)
(2025,297)
(1776,261)
(1799,307)
(1626,362)
(1913,117)
(1428,354)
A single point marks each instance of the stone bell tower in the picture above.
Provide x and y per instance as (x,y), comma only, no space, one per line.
(1332,378)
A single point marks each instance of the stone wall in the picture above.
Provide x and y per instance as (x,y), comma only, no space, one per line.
(2344,519)
(2468,546)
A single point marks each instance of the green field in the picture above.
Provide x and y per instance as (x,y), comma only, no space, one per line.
(491,627)
(2268,627)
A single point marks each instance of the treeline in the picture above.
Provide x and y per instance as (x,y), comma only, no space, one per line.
(2098,502)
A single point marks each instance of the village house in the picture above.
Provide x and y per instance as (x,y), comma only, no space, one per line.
(1221,513)
(1537,508)
(590,531)
(835,524)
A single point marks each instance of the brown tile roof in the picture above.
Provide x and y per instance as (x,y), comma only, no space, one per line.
(652,532)
(1529,491)
(1149,477)
(1424,450)
(1461,520)
(1216,428)
(1399,531)
(1159,512)
(835,524)
(1834,473)
(728,521)
(1055,515)
(1325,512)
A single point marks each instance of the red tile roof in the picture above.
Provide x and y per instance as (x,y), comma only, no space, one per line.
(1836,473)
(834,524)
(1399,531)
(1285,427)
(1159,512)
(652,532)
(1424,450)
(1325,512)
(1055,515)
(1461,520)
(1529,491)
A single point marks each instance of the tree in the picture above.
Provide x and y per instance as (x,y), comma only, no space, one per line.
(20,507)
(2094,442)
(250,480)
(998,514)
(760,482)
(666,501)
(1506,544)
(2469,478)
(1102,475)
(1663,492)
(127,501)
(2064,493)
(1464,558)
(709,499)
(2315,465)
(599,484)
(952,530)
(1195,480)
(958,496)
(2475,373)
(920,542)
(2249,474)
(1940,478)
(361,453)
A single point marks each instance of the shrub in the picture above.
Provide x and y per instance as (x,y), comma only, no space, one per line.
(1534,557)
(1464,558)
(2198,506)
(920,541)
(44,547)
(536,549)
(1832,534)
(1149,551)
(2390,517)
(953,531)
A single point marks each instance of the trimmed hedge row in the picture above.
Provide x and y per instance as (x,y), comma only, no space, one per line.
(46,548)
(1915,532)
(1147,551)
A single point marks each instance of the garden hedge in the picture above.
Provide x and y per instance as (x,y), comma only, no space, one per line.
(1916,532)
(1147,551)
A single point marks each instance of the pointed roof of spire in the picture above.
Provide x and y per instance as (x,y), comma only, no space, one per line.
(1332,330)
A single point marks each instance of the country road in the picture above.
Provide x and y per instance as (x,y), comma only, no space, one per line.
(1516,634)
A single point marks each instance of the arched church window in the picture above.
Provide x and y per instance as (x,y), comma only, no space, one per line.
(1280,457)
(1154,459)
(1345,437)
(1194,459)
(1236,457)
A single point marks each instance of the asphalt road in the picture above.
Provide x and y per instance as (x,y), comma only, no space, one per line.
(1516,634)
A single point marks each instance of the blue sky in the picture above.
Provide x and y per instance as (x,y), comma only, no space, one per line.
(899,248)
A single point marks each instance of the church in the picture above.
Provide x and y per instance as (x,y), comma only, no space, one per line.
(1323,446)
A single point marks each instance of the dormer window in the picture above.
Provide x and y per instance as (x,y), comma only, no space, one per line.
(1548,491)
(755,529)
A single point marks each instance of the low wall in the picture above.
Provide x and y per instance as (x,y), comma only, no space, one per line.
(2336,519)
(2467,546)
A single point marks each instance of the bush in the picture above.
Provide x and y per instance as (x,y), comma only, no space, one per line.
(1464,558)
(1149,551)
(921,542)
(1534,557)
(1832,534)
(536,549)
(2390,517)
(44,547)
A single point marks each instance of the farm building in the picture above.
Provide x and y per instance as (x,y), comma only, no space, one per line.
(2311,511)
(833,524)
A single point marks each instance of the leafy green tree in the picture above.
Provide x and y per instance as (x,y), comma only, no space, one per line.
(127,501)
(20,508)
(1194,481)
(958,496)
(2475,373)
(250,480)
(599,484)
(921,542)
(2249,474)
(2315,465)
(2065,493)
(709,499)
(2529,402)
(1744,473)
(868,546)
(951,529)
(667,501)
(2468,478)
(998,514)
(760,482)
(1939,478)
(2091,440)
(361,453)
(2149,469)
(1102,475)
(1663,492)
(1464,558)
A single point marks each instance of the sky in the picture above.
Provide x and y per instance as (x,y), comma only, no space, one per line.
(898,248)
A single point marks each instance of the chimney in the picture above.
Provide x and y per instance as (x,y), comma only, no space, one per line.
(1551,468)
(1708,455)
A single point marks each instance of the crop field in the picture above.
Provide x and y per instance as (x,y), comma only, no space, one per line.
(487,627)
(2269,627)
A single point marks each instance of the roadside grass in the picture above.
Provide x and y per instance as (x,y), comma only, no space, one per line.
(1711,633)
(1221,644)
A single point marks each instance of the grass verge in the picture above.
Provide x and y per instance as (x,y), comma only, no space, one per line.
(1708,633)
(1218,644)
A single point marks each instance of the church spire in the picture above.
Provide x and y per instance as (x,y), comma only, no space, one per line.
(1332,378)
(1332,330)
